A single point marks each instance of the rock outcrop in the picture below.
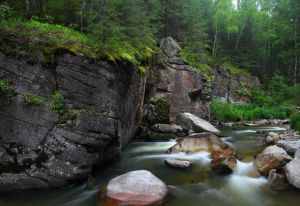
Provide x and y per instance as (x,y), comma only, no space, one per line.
(136,188)
(233,87)
(41,147)
(185,88)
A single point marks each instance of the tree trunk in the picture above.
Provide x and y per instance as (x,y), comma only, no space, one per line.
(81,15)
(214,52)
(240,34)
(296,55)
(27,8)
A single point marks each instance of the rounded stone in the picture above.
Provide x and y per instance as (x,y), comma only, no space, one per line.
(139,187)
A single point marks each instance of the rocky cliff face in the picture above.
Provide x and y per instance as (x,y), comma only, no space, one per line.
(45,145)
(233,87)
(39,148)
(188,90)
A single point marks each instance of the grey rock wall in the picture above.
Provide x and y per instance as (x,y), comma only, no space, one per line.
(40,150)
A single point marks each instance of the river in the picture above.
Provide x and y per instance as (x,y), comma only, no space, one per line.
(196,186)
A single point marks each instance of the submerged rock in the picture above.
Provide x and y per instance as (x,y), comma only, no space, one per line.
(191,121)
(272,157)
(202,142)
(183,164)
(139,187)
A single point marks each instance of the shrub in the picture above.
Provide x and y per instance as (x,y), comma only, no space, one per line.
(6,92)
(29,99)
(260,98)
(295,122)
(58,103)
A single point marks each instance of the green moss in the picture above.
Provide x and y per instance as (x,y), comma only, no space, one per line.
(75,113)
(142,70)
(159,111)
(6,93)
(41,42)
(29,99)
(236,70)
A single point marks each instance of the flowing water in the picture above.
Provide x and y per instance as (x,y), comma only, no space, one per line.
(196,186)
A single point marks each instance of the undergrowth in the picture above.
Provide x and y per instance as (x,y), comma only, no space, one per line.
(41,42)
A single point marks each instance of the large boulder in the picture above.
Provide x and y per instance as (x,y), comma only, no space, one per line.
(139,187)
(191,121)
(272,157)
(201,142)
(290,146)
(183,164)
(292,171)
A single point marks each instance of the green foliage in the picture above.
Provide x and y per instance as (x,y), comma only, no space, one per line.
(58,103)
(228,112)
(6,92)
(278,88)
(260,98)
(295,122)
(4,10)
(29,99)
(293,95)
(235,70)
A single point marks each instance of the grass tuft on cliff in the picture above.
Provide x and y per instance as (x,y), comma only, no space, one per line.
(41,42)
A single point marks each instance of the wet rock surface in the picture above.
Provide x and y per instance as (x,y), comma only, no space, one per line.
(277,179)
(136,188)
(272,157)
(39,149)
(196,143)
(224,161)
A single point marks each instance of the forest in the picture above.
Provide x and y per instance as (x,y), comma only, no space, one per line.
(259,36)
(150,102)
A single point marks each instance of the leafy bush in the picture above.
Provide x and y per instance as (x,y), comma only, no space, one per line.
(6,92)
(58,103)
(295,122)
